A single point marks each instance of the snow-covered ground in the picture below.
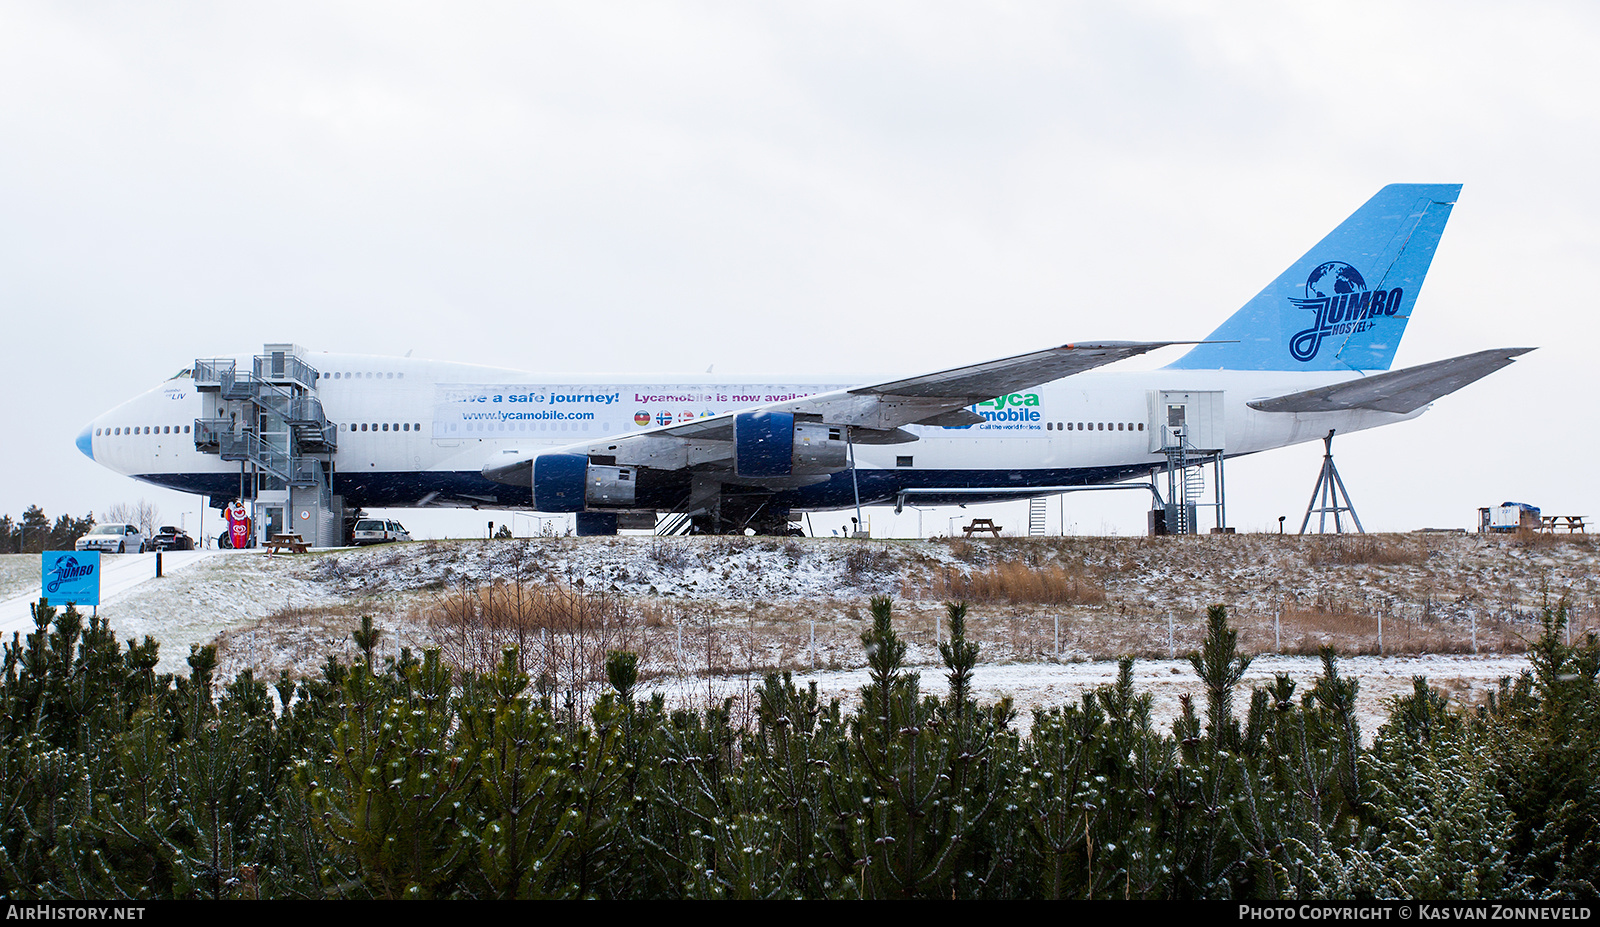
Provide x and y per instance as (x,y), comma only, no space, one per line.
(1465,678)
(120,573)
(726,604)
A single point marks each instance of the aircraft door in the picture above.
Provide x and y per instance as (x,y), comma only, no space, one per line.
(1186,418)
(1176,427)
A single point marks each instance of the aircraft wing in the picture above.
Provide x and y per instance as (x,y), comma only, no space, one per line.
(928,399)
(873,414)
(1401,391)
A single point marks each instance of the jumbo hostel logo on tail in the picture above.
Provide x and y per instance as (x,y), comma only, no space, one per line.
(1338,296)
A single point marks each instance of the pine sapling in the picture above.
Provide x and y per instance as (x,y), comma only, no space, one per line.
(960,657)
(1220,668)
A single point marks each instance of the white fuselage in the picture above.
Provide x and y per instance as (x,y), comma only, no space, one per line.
(417,432)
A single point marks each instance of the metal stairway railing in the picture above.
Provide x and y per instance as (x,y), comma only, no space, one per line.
(249,446)
(310,428)
(674,523)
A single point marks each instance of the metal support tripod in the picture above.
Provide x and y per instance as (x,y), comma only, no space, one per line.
(1335,498)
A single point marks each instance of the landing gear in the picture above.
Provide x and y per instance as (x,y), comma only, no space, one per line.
(737,516)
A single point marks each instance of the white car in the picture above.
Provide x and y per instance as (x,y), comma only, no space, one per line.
(377,531)
(114,539)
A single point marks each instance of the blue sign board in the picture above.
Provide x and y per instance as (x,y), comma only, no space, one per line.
(70,576)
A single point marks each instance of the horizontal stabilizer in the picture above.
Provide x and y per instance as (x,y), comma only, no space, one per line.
(1399,391)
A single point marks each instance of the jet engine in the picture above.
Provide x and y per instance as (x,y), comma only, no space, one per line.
(571,483)
(775,444)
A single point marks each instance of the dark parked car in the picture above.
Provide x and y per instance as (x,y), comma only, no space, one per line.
(171,538)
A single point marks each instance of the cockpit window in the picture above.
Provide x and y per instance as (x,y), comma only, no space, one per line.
(186,372)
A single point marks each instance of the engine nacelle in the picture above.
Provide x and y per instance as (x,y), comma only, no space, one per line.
(773,444)
(570,483)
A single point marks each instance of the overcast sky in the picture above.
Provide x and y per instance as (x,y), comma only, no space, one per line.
(814,188)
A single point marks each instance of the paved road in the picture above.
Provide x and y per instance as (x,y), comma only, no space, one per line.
(119,573)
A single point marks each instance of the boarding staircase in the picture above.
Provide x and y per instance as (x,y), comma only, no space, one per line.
(1038,507)
(277,388)
(1186,484)
(674,524)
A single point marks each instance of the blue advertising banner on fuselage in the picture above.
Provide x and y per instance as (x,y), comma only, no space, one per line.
(510,411)
(70,576)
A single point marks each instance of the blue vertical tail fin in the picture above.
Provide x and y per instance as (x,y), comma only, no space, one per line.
(1345,304)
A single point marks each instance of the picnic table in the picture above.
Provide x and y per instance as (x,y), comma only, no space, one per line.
(293,543)
(981,525)
(1571,524)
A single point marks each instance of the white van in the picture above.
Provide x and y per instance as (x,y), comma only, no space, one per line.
(377,531)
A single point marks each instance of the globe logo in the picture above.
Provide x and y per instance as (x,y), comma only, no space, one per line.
(67,571)
(1337,294)
(1334,278)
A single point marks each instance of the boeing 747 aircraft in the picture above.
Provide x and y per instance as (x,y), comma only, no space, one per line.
(305,436)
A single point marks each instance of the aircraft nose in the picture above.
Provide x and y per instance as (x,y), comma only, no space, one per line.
(86,441)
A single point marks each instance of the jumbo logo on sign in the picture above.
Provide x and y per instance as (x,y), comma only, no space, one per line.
(70,576)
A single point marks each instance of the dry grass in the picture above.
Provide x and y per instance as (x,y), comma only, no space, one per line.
(1350,550)
(299,640)
(1012,582)
(560,634)
(1033,599)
